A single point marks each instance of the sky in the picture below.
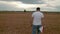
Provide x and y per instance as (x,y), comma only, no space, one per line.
(30,5)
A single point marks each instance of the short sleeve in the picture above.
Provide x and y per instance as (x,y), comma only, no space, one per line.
(42,15)
(32,14)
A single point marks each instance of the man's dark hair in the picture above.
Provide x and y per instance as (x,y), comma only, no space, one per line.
(38,8)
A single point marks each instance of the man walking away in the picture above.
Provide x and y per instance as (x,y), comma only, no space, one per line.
(37,21)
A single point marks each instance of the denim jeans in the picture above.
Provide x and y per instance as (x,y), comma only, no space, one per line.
(36,28)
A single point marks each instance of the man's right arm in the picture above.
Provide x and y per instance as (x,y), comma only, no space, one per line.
(43,24)
(42,15)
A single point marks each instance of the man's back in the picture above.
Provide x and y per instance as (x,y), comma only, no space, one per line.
(37,16)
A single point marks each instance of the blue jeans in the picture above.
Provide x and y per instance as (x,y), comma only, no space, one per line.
(36,28)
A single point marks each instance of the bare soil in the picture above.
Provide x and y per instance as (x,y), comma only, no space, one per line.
(20,23)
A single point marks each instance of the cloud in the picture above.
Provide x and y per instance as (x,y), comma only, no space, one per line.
(52,5)
(16,5)
(48,5)
(5,5)
(28,1)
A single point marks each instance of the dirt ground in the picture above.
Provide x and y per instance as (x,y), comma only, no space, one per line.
(20,23)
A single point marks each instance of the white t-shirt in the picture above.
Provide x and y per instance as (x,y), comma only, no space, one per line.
(37,16)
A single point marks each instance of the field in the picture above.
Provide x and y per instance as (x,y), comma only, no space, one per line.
(20,23)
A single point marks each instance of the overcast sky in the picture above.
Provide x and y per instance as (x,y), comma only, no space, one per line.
(19,5)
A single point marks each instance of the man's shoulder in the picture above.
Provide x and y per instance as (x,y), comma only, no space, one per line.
(37,12)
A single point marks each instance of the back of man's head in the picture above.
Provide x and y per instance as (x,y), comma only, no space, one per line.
(38,8)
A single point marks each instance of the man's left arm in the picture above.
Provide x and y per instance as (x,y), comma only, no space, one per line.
(31,21)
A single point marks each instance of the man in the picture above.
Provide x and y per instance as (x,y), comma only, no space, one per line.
(37,19)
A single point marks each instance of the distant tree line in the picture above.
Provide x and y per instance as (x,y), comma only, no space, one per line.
(24,10)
